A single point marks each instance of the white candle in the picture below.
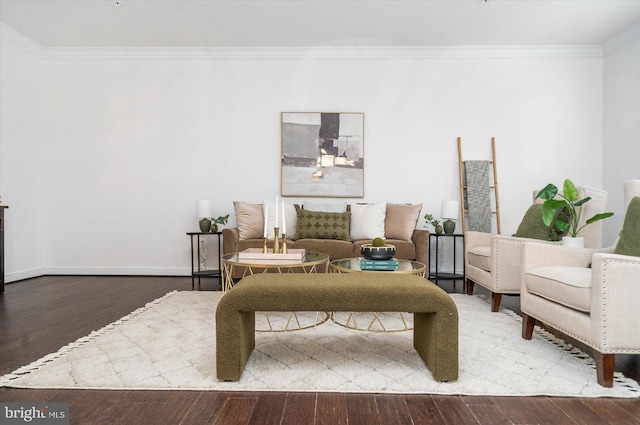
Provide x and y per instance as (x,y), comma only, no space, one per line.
(284,226)
(277,202)
(266,214)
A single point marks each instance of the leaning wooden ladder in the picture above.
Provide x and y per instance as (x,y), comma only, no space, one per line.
(493,187)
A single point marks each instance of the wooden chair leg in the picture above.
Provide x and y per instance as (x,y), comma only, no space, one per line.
(469,287)
(605,364)
(528,323)
(496,299)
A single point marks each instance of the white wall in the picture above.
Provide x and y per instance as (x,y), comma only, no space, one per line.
(132,143)
(621,130)
(21,160)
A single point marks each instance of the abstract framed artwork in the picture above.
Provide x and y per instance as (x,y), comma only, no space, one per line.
(322,154)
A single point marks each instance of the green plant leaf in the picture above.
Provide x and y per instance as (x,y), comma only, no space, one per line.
(569,191)
(562,225)
(600,216)
(548,192)
(582,201)
(549,209)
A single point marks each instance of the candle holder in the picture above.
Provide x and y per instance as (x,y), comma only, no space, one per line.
(283,246)
(264,245)
(276,240)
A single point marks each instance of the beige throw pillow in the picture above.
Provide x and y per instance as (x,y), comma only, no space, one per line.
(401,220)
(250,220)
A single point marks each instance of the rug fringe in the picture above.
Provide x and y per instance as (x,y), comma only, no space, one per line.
(6,380)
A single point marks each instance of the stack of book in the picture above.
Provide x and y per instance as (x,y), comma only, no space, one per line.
(388,265)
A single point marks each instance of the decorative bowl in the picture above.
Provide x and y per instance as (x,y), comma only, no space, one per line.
(371,252)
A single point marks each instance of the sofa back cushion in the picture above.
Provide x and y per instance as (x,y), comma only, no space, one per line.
(367,221)
(629,241)
(250,220)
(322,225)
(401,221)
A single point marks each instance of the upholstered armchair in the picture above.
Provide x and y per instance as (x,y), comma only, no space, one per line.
(493,261)
(589,295)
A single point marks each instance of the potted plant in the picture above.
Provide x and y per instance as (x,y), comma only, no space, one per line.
(220,220)
(571,204)
(433,222)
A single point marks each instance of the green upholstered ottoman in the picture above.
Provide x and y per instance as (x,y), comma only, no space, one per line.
(435,334)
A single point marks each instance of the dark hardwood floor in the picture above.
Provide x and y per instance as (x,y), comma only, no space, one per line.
(38,316)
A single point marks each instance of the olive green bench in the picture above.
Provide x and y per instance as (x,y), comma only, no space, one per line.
(435,334)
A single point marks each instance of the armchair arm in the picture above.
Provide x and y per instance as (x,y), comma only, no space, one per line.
(230,238)
(476,239)
(615,294)
(535,254)
(420,238)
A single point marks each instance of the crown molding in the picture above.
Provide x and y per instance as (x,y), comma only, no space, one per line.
(622,39)
(20,40)
(295,53)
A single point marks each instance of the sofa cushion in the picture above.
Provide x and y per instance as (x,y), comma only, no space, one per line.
(367,221)
(400,221)
(322,225)
(629,242)
(533,227)
(334,248)
(250,220)
(479,257)
(569,286)
(291,219)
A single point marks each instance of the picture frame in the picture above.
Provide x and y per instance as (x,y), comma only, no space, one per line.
(322,154)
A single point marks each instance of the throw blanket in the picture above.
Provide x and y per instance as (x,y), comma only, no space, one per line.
(477,199)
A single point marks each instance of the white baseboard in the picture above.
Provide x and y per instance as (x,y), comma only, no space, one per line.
(24,274)
(100,271)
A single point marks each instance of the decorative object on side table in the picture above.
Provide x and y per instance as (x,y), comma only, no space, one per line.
(449,212)
(222,220)
(204,210)
(566,211)
(431,221)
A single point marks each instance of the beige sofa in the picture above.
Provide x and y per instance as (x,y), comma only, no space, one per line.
(400,230)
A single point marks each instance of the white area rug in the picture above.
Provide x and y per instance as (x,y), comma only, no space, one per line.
(170,344)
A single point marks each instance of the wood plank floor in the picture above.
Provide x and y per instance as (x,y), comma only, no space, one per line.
(38,316)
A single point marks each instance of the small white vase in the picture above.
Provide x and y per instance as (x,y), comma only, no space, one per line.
(571,242)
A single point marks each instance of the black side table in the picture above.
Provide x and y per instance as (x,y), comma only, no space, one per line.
(436,275)
(196,271)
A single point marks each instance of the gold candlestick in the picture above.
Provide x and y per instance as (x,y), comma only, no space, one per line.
(283,247)
(264,245)
(276,240)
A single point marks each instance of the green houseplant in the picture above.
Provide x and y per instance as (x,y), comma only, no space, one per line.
(571,204)
(220,220)
(433,222)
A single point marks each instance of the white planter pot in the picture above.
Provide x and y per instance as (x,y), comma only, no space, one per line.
(577,242)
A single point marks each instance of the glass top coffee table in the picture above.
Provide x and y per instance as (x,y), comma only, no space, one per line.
(352,265)
(375,321)
(312,262)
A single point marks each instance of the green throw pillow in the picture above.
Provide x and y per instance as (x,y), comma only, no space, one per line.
(629,242)
(533,227)
(322,225)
